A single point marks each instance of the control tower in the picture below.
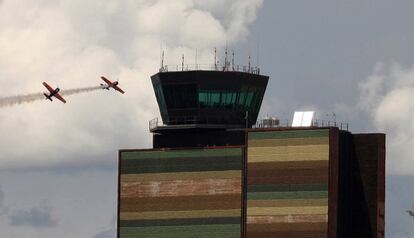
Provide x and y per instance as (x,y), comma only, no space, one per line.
(206,107)
(214,172)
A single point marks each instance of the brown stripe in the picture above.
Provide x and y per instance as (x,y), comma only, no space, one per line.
(181,188)
(286,234)
(298,179)
(289,141)
(288,203)
(287,157)
(322,226)
(288,165)
(146,177)
(219,202)
(303,218)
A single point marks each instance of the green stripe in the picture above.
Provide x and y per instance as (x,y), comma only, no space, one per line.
(198,231)
(287,195)
(156,165)
(181,222)
(287,187)
(287,134)
(166,154)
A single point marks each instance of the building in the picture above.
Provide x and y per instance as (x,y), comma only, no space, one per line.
(211,174)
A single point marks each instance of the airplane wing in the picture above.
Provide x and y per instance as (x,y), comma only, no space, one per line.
(57,95)
(106,80)
(51,90)
(118,89)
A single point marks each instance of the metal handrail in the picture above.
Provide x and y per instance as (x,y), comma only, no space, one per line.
(156,122)
(315,123)
(210,67)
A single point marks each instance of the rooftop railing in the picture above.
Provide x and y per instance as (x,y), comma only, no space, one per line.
(210,67)
(156,122)
(315,123)
(189,120)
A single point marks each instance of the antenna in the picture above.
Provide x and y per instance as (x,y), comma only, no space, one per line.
(232,61)
(249,64)
(160,56)
(258,55)
(162,61)
(215,58)
(225,60)
(182,62)
(196,65)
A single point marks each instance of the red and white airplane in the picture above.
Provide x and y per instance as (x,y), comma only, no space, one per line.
(53,93)
(110,84)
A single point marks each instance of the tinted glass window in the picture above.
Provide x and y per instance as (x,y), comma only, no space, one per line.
(248,98)
(181,96)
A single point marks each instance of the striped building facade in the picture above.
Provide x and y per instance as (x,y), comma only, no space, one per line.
(282,183)
(180,193)
(287,183)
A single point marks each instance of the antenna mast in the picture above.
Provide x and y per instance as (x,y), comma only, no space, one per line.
(196,65)
(162,61)
(182,62)
(249,64)
(258,55)
(225,60)
(232,61)
(215,58)
(161,52)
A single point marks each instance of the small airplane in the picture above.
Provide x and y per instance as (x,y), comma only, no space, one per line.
(411,212)
(53,93)
(110,84)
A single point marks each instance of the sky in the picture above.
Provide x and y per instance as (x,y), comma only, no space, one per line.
(58,162)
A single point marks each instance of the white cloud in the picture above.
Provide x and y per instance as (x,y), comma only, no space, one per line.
(71,43)
(387,96)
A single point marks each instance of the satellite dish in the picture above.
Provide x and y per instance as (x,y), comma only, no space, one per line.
(303,119)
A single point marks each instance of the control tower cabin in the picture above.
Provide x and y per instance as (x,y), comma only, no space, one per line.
(206,107)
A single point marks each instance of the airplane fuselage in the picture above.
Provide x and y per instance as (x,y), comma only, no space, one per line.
(108,86)
(52,94)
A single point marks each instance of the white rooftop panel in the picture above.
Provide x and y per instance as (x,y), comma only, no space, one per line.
(307,118)
(297,119)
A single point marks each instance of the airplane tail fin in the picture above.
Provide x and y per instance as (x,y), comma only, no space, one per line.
(47,97)
(104,86)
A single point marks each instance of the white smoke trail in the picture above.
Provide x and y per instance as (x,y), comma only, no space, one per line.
(28,98)
(19,99)
(79,90)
